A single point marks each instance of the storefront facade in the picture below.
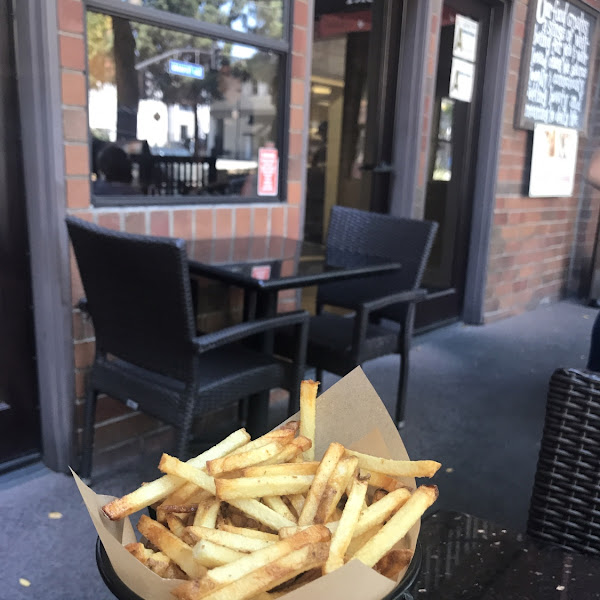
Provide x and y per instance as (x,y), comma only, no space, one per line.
(355,96)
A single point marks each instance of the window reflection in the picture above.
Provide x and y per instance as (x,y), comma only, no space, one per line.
(190,113)
(442,169)
(263,17)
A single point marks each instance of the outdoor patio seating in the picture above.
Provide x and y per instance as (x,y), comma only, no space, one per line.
(565,504)
(338,343)
(148,354)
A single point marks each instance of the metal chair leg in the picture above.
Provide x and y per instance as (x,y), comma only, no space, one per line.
(85,467)
(404,366)
(319,374)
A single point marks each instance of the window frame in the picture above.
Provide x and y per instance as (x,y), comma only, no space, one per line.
(167,20)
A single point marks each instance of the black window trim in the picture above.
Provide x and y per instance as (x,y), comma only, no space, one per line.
(164,19)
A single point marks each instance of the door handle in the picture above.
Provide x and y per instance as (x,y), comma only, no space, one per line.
(382,167)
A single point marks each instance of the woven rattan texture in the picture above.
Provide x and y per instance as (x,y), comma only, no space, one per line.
(565,503)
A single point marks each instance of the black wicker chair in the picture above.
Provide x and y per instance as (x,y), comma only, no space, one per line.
(338,343)
(565,503)
(147,352)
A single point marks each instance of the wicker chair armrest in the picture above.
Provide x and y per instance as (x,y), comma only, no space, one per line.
(235,333)
(397,298)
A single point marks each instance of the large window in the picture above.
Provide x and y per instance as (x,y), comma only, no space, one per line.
(180,116)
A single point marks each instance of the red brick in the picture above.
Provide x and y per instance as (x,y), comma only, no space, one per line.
(293,223)
(78,193)
(294,192)
(296,119)
(82,326)
(72,52)
(75,127)
(298,66)
(243,222)
(296,144)
(223,223)
(73,88)
(84,354)
(277,220)
(159,222)
(70,15)
(80,381)
(77,160)
(297,95)
(299,39)
(261,221)
(182,224)
(204,224)
(301,13)
(110,220)
(295,168)
(135,222)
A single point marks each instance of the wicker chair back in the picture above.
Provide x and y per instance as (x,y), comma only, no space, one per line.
(138,295)
(565,503)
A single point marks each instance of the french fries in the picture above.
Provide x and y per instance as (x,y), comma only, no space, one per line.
(308,414)
(257,519)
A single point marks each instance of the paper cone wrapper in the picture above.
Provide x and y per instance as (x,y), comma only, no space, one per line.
(351,413)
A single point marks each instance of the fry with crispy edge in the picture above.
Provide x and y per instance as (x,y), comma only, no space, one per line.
(379,480)
(396,468)
(180,496)
(173,466)
(284,436)
(290,451)
(210,512)
(162,565)
(150,493)
(303,468)
(278,505)
(212,555)
(381,510)
(360,540)
(249,533)
(336,486)
(308,414)
(297,501)
(179,552)
(242,460)
(330,459)
(235,541)
(398,526)
(286,532)
(343,535)
(271,575)
(393,562)
(257,487)
(261,513)
(227,574)
(175,525)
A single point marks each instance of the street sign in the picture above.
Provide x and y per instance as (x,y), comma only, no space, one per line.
(186,69)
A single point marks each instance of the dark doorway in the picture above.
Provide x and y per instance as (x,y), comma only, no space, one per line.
(353,85)
(453,156)
(19,420)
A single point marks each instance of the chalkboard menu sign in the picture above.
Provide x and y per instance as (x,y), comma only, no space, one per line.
(557,63)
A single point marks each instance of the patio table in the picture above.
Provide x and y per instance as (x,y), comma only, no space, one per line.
(264,266)
(463,556)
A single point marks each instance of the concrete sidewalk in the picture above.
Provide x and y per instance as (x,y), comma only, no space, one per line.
(476,403)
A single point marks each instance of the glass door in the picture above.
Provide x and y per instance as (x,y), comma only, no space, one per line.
(353,84)
(453,156)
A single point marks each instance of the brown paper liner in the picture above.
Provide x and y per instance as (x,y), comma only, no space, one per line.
(351,413)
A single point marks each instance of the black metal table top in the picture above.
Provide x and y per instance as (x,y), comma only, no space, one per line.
(278,263)
(468,557)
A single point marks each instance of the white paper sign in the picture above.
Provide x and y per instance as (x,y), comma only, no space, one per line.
(465,38)
(553,161)
(462,76)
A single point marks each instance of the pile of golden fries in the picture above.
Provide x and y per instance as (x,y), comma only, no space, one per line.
(258,519)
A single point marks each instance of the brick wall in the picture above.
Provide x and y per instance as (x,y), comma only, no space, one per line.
(531,248)
(117,426)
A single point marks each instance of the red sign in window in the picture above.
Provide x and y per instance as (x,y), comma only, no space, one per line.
(268,171)
(262,272)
